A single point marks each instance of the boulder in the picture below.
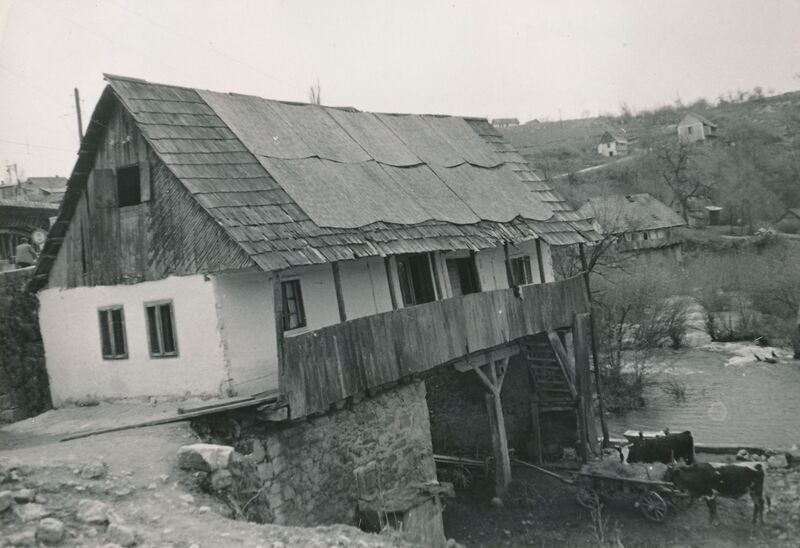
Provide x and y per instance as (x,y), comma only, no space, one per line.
(121,535)
(92,511)
(24,495)
(50,531)
(221,479)
(95,470)
(778,461)
(204,457)
(31,512)
(25,538)
(5,500)
(742,455)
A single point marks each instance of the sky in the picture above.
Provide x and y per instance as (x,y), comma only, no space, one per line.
(517,58)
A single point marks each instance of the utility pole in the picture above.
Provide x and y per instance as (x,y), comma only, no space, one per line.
(78,110)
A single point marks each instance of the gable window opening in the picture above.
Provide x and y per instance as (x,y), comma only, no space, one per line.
(161,329)
(112,333)
(129,189)
(521,272)
(416,279)
(294,314)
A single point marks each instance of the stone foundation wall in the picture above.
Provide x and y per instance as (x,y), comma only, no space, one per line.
(24,387)
(303,474)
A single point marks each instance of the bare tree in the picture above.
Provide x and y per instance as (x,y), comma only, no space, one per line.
(315,94)
(675,166)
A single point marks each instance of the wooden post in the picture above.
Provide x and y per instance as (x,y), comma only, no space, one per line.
(537,429)
(434,264)
(387,263)
(580,332)
(277,304)
(540,260)
(337,284)
(509,274)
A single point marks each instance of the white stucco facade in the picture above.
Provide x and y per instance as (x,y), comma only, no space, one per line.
(71,335)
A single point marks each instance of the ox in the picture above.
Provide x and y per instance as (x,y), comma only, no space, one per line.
(665,449)
(725,480)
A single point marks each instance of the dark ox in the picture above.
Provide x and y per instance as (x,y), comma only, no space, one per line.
(727,480)
(665,449)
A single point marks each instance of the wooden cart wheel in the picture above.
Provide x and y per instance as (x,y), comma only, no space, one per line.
(587,497)
(653,506)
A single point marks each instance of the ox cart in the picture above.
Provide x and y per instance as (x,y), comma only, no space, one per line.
(654,498)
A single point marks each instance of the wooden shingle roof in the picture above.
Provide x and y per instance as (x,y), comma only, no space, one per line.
(621,213)
(295,184)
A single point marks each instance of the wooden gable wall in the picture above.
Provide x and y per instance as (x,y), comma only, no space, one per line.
(167,233)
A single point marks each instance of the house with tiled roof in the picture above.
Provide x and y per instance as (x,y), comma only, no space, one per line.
(224,244)
(612,145)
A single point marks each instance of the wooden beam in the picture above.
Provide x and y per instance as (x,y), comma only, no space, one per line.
(490,386)
(487,356)
(502,368)
(497,426)
(337,284)
(277,305)
(387,263)
(563,361)
(509,274)
(540,260)
(537,430)
(273,414)
(434,264)
(581,333)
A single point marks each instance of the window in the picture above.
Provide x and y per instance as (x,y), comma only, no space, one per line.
(521,270)
(689,130)
(416,279)
(112,333)
(129,191)
(463,276)
(161,329)
(294,315)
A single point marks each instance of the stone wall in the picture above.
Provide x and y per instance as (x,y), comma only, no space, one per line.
(304,474)
(24,387)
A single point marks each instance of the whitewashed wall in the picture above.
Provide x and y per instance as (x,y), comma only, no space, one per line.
(247,327)
(71,334)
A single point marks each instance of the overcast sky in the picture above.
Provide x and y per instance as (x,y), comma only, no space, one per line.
(523,58)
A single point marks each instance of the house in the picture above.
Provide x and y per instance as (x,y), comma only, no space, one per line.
(694,127)
(37,189)
(224,244)
(19,219)
(789,219)
(505,122)
(612,145)
(642,223)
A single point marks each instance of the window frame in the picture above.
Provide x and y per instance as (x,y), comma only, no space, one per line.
(302,317)
(410,294)
(109,324)
(527,272)
(139,181)
(159,328)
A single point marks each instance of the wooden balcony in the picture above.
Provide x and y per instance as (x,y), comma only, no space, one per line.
(326,366)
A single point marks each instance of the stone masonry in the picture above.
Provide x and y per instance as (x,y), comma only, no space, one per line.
(24,387)
(304,473)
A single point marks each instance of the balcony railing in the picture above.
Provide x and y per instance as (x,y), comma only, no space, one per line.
(326,366)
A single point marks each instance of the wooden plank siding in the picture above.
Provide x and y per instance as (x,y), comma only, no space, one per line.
(322,367)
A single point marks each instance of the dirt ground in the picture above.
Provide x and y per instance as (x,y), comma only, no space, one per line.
(141,485)
(543,512)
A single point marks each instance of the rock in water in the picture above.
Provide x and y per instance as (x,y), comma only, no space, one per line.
(24,495)
(25,538)
(121,535)
(92,511)
(778,461)
(5,500)
(50,531)
(31,512)
(204,457)
(95,470)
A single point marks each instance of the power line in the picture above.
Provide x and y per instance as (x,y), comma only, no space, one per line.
(35,145)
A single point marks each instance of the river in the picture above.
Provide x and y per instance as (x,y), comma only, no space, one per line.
(731,397)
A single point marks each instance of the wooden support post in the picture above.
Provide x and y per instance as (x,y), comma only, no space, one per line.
(502,462)
(509,274)
(387,263)
(475,270)
(581,330)
(337,284)
(434,264)
(277,304)
(537,429)
(540,260)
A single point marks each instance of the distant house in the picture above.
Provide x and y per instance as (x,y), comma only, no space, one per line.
(694,127)
(22,219)
(612,145)
(36,189)
(789,220)
(505,122)
(642,222)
